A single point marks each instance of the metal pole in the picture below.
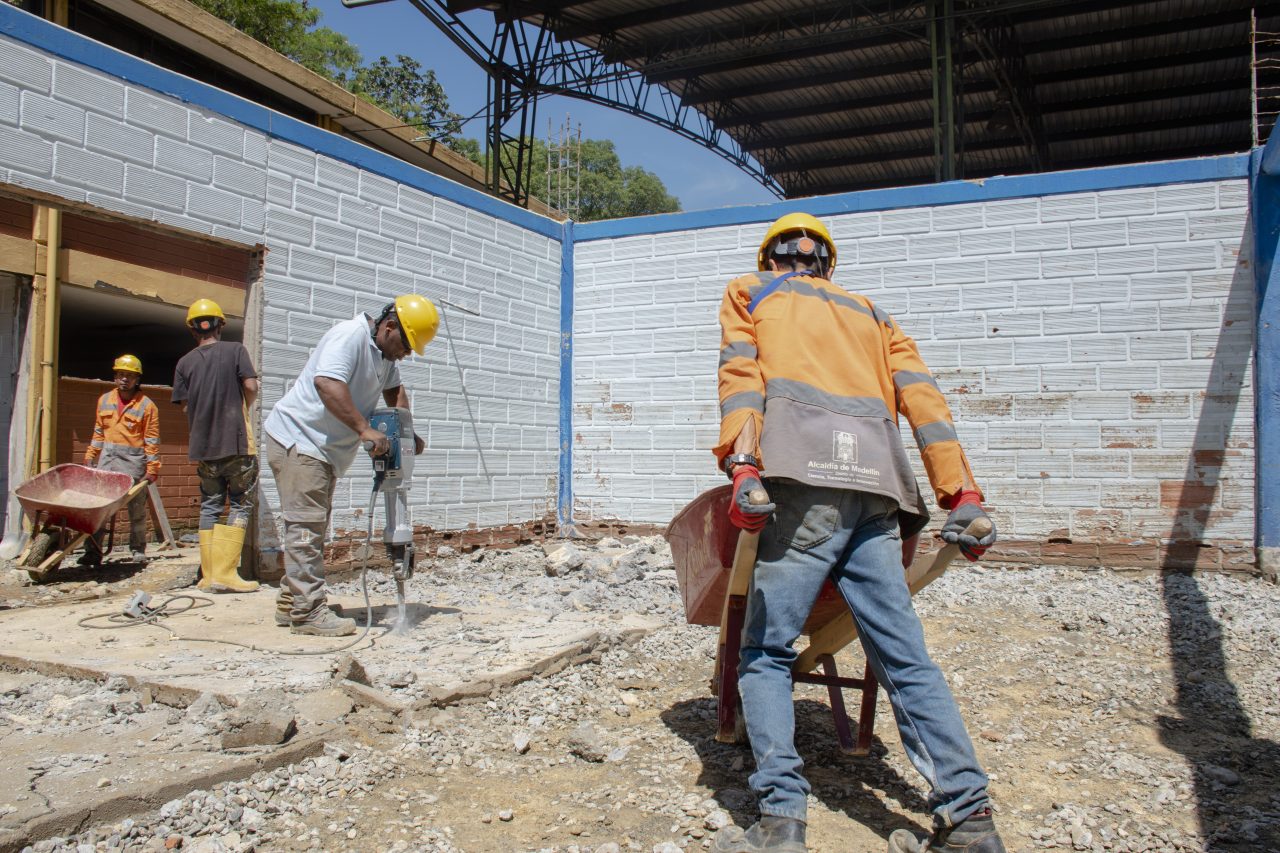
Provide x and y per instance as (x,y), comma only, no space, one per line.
(1253,70)
(49,354)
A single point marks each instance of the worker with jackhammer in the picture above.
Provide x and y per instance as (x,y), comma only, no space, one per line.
(217,384)
(812,379)
(126,439)
(313,434)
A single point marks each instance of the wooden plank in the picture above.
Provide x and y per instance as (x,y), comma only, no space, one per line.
(158,515)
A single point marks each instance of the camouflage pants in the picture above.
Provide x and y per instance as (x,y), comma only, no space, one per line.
(233,478)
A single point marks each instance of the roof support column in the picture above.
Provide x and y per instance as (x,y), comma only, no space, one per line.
(1264,199)
(942,38)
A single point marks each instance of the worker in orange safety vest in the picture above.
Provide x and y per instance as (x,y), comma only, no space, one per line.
(812,381)
(126,439)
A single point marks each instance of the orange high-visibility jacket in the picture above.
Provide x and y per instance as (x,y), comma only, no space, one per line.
(134,425)
(824,374)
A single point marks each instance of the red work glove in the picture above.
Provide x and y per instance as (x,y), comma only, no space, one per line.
(966,508)
(743,514)
(150,478)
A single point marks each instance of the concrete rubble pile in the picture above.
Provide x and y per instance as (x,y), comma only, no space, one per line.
(1115,713)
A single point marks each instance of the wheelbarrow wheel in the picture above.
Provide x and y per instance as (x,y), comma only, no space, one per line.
(41,547)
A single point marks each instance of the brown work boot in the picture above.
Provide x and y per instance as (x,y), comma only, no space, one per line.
(975,834)
(767,835)
(322,622)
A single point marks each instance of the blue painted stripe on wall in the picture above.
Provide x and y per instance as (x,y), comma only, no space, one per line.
(564,494)
(1265,203)
(41,34)
(929,195)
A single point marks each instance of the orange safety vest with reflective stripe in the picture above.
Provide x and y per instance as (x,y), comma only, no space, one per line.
(824,374)
(136,424)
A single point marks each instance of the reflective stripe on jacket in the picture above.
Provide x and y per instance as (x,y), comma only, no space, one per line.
(824,373)
(135,425)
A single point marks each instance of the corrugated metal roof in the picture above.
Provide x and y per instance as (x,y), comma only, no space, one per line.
(832,96)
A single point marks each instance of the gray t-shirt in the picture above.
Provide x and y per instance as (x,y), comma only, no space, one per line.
(209,380)
(346,353)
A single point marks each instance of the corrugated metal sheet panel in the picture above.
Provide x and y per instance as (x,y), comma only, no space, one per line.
(833,84)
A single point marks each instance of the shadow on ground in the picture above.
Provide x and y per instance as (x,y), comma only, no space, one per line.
(1235,773)
(841,782)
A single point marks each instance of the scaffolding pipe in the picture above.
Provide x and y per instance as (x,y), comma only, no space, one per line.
(49,349)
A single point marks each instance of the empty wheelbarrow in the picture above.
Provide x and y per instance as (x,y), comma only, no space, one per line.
(67,504)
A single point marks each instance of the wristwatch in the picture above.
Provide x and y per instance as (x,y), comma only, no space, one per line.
(733,460)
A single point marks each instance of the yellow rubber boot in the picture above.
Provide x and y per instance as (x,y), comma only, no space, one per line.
(206,560)
(228,542)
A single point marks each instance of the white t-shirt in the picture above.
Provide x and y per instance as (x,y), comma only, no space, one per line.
(346,353)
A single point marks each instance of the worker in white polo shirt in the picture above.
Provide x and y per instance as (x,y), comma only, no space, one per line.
(313,434)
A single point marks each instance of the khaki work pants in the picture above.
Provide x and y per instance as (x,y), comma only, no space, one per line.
(306,488)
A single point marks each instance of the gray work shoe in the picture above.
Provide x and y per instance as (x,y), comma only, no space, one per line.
(767,835)
(284,608)
(322,622)
(138,556)
(977,834)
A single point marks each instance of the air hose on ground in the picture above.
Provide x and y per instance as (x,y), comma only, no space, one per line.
(137,613)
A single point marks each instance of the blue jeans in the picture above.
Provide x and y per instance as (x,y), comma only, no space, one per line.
(853,538)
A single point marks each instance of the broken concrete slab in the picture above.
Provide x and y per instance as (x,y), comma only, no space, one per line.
(61,797)
(363,694)
(324,706)
(232,648)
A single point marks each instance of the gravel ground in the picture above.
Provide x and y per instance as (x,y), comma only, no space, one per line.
(1112,711)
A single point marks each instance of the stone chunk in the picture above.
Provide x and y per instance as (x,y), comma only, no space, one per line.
(349,669)
(261,720)
(564,560)
(585,742)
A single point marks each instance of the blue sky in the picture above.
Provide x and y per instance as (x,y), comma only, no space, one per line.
(700,178)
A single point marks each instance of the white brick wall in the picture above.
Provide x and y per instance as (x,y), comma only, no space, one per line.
(1082,328)
(339,239)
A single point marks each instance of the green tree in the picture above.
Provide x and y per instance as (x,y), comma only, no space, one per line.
(405,90)
(401,87)
(605,189)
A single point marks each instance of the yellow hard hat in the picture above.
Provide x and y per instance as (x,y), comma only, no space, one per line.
(419,320)
(802,222)
(127,363)
(204,308)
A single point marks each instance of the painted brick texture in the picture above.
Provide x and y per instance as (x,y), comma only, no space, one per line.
(1095,349)
(339,240)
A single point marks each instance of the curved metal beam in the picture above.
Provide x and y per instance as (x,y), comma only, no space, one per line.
(525,63)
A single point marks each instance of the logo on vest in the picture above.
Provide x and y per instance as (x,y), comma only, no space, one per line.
(845,447)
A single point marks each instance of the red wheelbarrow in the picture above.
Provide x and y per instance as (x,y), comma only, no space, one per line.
(714,563)
(67,504)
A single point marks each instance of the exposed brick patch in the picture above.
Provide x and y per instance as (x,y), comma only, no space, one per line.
(16,218)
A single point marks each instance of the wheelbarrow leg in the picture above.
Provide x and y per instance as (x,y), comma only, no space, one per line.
(836,696)
(730,729)
(867,713)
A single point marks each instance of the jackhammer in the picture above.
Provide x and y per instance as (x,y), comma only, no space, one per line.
(392,475)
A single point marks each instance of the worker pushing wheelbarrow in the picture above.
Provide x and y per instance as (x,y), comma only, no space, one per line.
(67,505)
(812,380)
